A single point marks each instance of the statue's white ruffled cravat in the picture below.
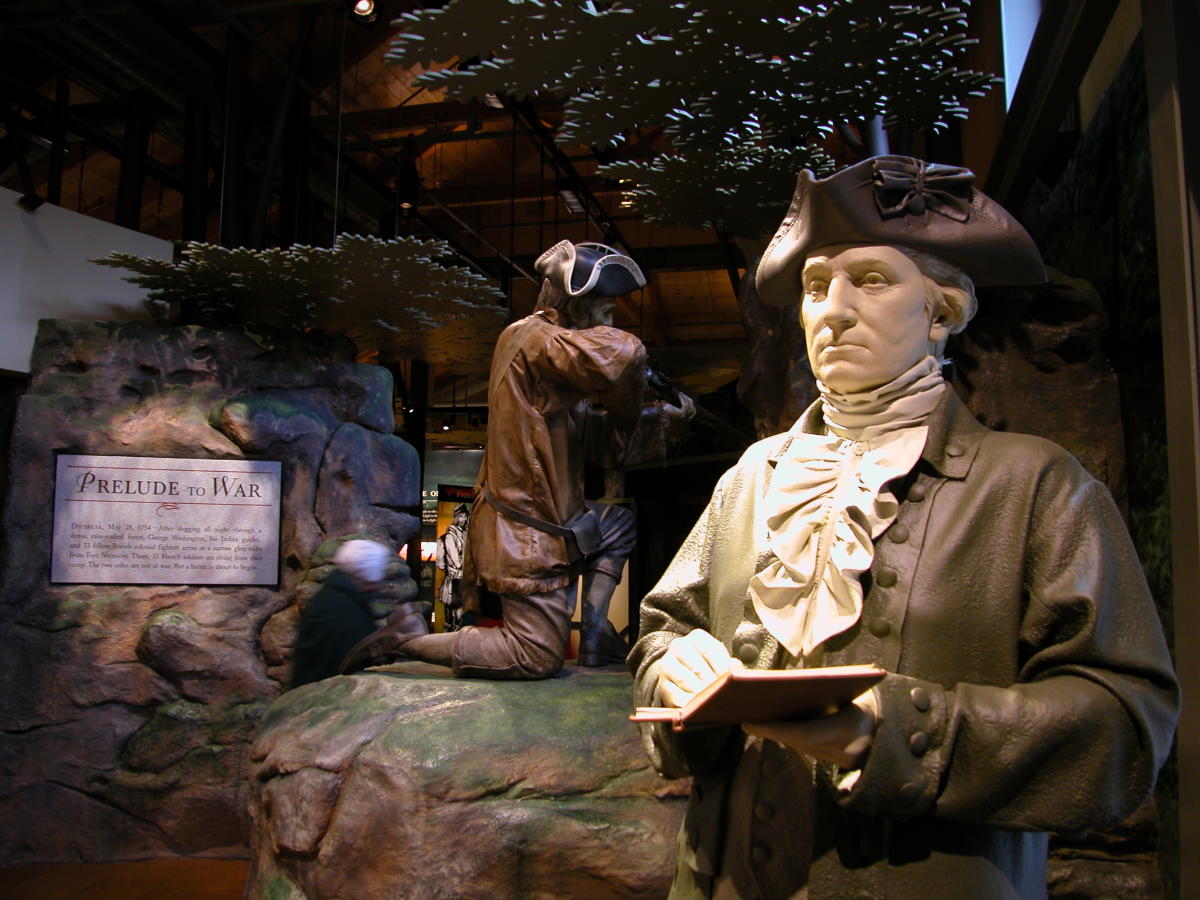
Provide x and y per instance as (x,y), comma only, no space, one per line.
(829,500)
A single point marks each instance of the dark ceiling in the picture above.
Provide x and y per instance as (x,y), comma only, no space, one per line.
(263,124)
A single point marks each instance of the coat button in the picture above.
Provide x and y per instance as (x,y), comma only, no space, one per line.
(881,628)
(909,793)
(920,699)
(918,743)
(748,653)
(917,492)
(898,534)
(764,812)
(886,576)
(954,450)
(761,854)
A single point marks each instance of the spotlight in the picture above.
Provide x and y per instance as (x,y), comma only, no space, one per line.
(364,10)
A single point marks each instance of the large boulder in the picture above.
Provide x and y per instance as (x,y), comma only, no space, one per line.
(363,484)
(406,782)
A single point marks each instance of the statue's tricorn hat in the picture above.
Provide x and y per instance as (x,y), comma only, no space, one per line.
(588,269)
(898,201)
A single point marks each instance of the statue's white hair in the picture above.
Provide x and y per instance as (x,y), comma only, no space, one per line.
(958,304)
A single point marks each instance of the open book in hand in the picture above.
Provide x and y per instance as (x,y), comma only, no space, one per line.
(765,695)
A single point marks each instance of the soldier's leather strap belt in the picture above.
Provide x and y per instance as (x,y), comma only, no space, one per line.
(582,533)
(517,516)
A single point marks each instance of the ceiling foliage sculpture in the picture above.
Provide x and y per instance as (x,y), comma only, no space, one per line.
(400,297)
(746,91)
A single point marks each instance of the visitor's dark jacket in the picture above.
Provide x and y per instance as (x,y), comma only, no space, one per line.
(336,618)
(1031,690)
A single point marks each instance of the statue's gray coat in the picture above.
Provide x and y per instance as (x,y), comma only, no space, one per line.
(1031,690)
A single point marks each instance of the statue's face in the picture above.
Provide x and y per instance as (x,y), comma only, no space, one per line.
(587,312)
(601,311)
(865,315)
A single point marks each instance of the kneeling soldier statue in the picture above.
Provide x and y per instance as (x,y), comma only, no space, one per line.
(565,386)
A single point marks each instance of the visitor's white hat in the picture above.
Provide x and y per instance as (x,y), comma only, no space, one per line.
(364,560)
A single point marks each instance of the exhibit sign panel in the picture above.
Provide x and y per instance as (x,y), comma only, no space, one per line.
(156,520)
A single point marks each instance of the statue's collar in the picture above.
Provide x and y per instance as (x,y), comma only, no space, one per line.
(950,448)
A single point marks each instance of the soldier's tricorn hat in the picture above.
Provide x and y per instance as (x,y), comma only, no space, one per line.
(898,201)
(595,270)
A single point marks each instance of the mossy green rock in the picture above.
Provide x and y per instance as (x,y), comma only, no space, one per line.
(406,782)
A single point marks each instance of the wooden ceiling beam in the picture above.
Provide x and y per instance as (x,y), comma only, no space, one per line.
(677,257)
(443,114)
(527,190)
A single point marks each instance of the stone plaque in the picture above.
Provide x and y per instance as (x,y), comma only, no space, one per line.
(151,520)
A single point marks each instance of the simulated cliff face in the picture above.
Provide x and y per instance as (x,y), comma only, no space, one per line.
(408,783)
(128,709)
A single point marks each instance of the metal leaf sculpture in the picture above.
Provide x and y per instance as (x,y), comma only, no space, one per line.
(740,192)
(399,297)
(745,91)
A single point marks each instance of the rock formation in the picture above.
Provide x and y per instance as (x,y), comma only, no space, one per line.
(128,709)
(407,783)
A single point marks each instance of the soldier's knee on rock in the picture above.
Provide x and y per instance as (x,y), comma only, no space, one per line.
(541,665)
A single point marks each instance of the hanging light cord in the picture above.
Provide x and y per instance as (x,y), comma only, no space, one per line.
(337,154)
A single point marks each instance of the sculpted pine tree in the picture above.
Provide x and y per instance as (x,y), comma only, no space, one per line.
(744,91)
(398,296)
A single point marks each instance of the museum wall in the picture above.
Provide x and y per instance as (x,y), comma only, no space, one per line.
(45,255)
(128,708)
(1096,221)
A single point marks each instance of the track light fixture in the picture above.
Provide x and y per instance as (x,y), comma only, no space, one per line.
(408,184)
(364,10)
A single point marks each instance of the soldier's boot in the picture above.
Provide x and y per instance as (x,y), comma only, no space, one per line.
(386,644)
(599,643)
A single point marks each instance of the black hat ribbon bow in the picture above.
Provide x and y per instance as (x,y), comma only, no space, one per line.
(910,186)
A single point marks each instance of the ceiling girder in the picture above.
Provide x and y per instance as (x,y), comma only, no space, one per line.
(445,114)
(569,176)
